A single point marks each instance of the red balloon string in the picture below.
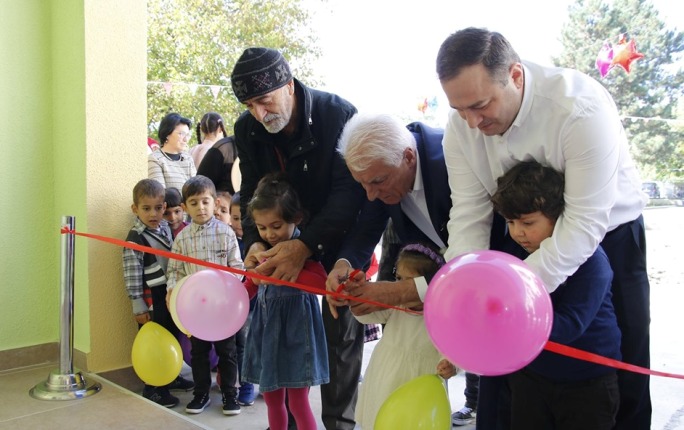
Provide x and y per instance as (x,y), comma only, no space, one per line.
(168,254)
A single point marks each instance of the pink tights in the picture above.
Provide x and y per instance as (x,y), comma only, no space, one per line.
(298,400)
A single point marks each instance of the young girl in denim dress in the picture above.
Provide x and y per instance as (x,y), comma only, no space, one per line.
(286,347)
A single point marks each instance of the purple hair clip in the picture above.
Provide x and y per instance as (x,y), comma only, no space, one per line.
(422,249)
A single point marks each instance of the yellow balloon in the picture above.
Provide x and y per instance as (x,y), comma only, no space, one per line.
(172,305)
(419,404)
(157,356)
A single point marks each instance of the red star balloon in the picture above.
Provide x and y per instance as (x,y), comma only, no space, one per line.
(624,53)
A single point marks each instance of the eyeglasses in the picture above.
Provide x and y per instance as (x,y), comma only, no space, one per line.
(184,134)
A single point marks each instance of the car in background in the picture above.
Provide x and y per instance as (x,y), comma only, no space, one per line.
(658,189)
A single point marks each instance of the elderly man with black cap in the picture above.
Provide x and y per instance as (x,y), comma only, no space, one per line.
(291,128)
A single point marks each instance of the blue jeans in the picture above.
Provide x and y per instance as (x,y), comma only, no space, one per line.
(241,337)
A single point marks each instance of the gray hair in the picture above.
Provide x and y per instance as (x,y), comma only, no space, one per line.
(371,137)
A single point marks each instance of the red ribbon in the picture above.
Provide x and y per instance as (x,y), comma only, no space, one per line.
(569,351)
(565,350)
(168,254)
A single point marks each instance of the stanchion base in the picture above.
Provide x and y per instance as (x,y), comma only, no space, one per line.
(64,387)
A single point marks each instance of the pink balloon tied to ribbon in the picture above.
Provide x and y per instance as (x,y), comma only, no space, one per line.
(212,305)
(492,302)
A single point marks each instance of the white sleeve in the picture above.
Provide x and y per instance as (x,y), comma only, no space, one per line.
(591,150)
(421,287)
(470,217)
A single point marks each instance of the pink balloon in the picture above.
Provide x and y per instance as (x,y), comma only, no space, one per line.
(212,305)
(186,347)
(488,313)
(604,59)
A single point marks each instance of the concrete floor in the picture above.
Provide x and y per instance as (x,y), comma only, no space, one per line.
(119,406)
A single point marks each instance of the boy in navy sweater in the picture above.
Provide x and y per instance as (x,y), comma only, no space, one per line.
(555,391)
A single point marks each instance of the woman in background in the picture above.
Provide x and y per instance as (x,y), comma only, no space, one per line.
(210,130)
(171,164)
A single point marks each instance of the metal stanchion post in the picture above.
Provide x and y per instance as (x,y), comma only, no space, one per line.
(63,383)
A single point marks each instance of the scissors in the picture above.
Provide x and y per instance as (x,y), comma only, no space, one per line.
(346,278)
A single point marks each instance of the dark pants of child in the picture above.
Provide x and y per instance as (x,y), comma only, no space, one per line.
(539,403)
(161,316)
(227,365)
(472,388)
(241,336)
(160,313)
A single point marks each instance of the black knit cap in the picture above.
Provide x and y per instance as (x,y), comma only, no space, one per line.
(259,71)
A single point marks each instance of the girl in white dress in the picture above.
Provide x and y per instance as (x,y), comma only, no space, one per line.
(405,351)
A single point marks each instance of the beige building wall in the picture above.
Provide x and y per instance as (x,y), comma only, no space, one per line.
(73,80)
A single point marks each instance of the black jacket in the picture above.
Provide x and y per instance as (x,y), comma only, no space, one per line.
(217,164)
(325,186)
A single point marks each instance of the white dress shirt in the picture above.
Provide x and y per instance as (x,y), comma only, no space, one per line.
(567,121)
(415,207)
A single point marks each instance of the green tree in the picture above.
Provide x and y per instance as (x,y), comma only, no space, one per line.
(650,92)
(199,41)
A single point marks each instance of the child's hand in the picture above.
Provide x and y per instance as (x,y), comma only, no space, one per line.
(251,260)
(445,369)
(142,318)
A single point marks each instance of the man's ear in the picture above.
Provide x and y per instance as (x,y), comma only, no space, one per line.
(517,75)
(410,156)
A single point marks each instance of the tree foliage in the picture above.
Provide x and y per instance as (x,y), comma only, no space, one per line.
(650,92)
(199,41)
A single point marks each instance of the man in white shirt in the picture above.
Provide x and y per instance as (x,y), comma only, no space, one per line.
(507,111)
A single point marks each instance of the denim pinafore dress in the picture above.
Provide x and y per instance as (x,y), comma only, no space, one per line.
(286,345)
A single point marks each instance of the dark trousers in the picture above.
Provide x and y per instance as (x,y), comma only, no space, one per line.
(160,313)
(494,404)
(625,247)
(472,388)
(345,354)
(161,316)
(539,403)
(241,336)
(626,250)
(227,365)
